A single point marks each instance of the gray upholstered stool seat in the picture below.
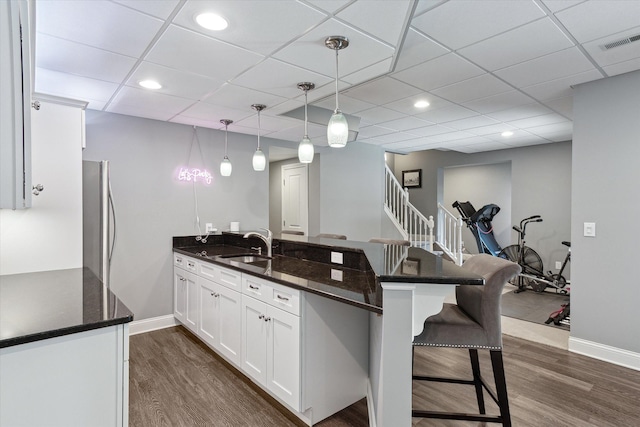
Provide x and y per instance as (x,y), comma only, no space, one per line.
(332,236)
(473,323)
(390,241)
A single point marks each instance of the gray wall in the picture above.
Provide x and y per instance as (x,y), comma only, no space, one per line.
(152,206)
(606,152)
(540,184)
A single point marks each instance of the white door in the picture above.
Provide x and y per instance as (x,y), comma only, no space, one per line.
(283,356)
(191,319)
(295,198)
(180,294)
(209,308)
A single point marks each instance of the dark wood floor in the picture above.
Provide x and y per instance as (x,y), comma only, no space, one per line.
(177,381)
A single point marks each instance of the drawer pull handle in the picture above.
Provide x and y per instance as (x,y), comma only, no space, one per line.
(282,298)
(255,288)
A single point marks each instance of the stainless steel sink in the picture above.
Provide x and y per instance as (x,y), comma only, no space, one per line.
(246,258)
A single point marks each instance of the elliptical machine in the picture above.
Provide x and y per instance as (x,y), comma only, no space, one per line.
(479,222)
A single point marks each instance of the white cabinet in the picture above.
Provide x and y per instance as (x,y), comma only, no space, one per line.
(15,105)
(220,318)
(185,299)
(271,338)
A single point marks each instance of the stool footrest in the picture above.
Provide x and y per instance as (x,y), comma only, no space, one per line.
(456,416)
(443,380)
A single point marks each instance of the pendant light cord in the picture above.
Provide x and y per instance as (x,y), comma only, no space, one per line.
(225,140)
(258,129)
(306,121)
(337,107)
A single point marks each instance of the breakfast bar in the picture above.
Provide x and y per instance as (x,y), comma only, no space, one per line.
(399,287)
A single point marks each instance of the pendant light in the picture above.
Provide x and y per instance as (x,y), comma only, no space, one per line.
(259,160)
(225,166)
(305,148)
(338,128)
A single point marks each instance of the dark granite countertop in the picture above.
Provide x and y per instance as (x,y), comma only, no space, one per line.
(42,305)
(304,263)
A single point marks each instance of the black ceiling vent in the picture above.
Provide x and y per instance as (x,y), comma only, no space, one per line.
(621,42)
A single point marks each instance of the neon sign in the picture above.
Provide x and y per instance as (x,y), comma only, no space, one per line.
(195,175)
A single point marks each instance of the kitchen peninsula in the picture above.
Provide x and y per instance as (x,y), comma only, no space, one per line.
(320,318)
(63,350)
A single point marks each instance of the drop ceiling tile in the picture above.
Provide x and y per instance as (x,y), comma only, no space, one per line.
(310,52)
(551,131)
(563,106)
(617,54)
(347,103)
(406,123)
(279,78)
(545,119)
(550,67)
(74,87)
(492,130)
(329,6)
(477,19)
(447,114)
(377,115)
(382,91)
(451,136)
(158,8)
(622,67)
(474,88)
(560,87)
(499,102)
(596,19)
(370,72)
(373,131)
(527,142)
(202,110)
(394,137)
(199,122)
(480,147)
(239,97)
(81,60)
(558,5)
(386,20)
(429,131)
(101,24)
(175,82)
(139,110)
(472,122)
(269,25)
(285,107)
(161,105)
(418,48)
(267,123)
(530,41)
(441,71)
(520,112)
(184,50)
(423,6)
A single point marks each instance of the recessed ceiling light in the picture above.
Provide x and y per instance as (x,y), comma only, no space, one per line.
(421,104)
(506,133)
(211,21)
(150,84)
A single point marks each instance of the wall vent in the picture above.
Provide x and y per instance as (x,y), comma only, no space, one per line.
(621,42)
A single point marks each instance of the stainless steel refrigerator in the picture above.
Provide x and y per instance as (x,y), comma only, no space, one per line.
(98,224)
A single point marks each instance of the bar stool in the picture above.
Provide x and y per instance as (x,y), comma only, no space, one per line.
(294,232)
(473,323)
(332,236)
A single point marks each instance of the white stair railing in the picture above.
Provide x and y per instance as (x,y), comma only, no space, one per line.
(450,234)
(416,227)
(411,223)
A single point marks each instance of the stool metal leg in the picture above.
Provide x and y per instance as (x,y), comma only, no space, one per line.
(477,380)
(501,386)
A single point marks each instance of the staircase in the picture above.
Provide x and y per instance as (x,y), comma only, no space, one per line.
(417,228)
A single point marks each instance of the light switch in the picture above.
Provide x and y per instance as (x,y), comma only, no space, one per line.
(589,229)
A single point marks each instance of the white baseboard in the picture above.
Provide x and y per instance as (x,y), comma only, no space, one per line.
(614,355)
(152,324)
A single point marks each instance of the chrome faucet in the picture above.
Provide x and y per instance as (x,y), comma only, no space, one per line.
(267,240)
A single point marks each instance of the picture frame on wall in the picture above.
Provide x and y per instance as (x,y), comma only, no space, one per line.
(412,178)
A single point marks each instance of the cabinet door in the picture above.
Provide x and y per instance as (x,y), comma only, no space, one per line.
(179,294)
(283,356)
(254,339)
(191,316)
(230,326)
(209,312)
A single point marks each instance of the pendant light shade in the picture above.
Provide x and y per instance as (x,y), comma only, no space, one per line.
(305,148)
(225,166)
(338,128)
(259,159)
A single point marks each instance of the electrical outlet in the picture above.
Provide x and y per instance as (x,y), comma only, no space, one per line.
(558,265)
(336,257)
(209,228)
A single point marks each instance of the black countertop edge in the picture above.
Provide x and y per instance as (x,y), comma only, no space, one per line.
(25,339)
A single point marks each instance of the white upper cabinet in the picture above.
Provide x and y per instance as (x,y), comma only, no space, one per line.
(15,104)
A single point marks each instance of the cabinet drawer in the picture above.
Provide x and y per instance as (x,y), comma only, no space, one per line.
(285,298)
(230,278)
(179,260)
(257,288)
(190,264)
(207,270)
